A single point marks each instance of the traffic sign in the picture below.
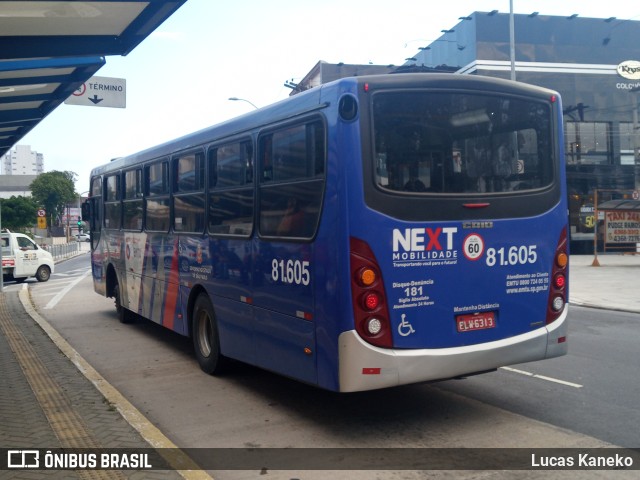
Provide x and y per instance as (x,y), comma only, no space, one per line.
(42,222)
(41,212)
(636,195)
(100,92)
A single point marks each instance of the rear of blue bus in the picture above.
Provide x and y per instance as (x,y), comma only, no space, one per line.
(457,229)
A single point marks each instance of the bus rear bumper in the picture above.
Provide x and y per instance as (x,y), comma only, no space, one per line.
(365,367)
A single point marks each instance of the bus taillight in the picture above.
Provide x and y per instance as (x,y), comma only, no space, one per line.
(371,301)
(558,287)
(370,311)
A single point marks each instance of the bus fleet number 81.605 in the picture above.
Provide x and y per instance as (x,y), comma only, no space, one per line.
(513,256)
(290,272)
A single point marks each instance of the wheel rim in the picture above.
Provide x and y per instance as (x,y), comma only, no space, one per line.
(44,274)
(204,333)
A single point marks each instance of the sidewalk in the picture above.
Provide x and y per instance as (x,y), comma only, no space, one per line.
(46,402)
(51,399)
(614,285)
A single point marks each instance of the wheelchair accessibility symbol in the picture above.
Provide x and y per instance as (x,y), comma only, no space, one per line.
(405,327)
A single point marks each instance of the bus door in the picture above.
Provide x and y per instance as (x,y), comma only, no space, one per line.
(291,185)
(229,252)
(229,273)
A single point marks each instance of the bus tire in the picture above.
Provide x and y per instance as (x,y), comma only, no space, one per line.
(206,340)
(124,315)
(43,274)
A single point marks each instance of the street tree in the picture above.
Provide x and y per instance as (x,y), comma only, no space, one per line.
(53,191)
(18,213)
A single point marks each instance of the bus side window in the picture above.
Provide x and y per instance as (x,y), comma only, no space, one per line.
(230,189)
(292,162)
(188,199)
(95,220)
(132,201)
(157,214)
(112,206)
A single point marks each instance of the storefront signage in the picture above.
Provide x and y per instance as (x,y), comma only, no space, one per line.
(629,69)
(622,227)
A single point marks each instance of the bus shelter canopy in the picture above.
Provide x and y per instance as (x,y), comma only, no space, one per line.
(620,205)
(50,48)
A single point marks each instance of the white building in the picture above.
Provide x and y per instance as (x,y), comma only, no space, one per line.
(16,185)
(22,161)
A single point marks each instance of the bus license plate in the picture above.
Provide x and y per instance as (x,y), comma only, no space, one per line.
(476,321)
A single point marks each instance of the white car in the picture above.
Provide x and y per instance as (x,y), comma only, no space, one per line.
(83,237)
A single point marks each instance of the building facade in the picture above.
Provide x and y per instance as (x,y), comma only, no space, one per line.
(16,185)
(594,63)
(324,72)
(21,160)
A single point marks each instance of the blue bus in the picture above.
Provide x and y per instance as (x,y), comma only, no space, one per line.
(371,232)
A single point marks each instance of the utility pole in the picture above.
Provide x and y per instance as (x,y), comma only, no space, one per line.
(512,41)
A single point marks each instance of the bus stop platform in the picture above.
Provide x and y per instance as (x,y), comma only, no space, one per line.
(48,404)
(47,401)
(614,285)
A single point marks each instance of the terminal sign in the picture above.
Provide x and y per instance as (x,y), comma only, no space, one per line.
(100,92)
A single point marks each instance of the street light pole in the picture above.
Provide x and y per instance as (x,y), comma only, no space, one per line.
(236,99)
(512,41)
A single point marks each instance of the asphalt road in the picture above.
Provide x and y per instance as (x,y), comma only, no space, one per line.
(585,399)
(603,359)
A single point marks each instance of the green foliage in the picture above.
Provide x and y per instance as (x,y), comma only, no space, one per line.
(53,191)
(18,213)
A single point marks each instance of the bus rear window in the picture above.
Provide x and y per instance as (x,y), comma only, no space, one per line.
(456,143)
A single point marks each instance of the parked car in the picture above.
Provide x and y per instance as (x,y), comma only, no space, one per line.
(83,237)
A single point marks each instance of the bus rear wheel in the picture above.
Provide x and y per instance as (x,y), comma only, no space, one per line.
(206,340)
(124,315)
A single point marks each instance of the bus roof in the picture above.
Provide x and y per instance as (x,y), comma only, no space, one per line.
(282,110)
(311,100)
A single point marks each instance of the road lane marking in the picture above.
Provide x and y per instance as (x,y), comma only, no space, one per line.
(59,296)
(542,377)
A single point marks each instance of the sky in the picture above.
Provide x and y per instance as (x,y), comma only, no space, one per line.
(179,80)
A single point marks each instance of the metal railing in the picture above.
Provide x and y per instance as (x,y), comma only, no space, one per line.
(65,250)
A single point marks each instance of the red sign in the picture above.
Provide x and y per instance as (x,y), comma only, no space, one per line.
(622,227)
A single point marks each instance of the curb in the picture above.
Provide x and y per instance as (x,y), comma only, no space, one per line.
(149,432)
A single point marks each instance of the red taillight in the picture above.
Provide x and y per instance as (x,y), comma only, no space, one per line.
(558,288)
(371,301)
(371,315)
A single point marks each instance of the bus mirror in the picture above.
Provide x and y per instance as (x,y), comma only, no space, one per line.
(86,210)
